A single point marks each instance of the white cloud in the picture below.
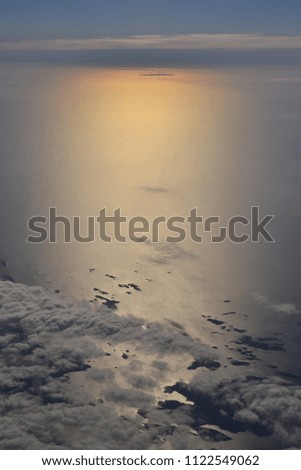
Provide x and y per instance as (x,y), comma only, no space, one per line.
(266,406)
(50,400)
(290,309)
(47,402)
(177,41)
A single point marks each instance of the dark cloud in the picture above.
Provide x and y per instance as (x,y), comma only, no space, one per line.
(154,189)
(158,74)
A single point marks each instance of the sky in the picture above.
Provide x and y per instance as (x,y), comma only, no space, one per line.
(45,30)
(36,19)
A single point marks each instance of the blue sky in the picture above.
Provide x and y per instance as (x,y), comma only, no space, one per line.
(47,19)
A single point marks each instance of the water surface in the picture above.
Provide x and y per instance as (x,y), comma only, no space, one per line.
(161,142)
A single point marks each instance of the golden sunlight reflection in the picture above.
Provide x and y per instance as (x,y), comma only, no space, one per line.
(153,143)
(139,129)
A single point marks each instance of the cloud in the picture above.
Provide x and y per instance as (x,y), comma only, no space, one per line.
(285,307)
(177,41)
(160,365)
(265,406)
(130,397)
(142,382)
(59,387)
(101,375)
(158,74)
(65,385)
(166,253)
(290,309)
(155,189)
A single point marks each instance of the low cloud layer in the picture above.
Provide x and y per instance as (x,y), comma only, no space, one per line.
(49,350)
(84,377)
(266,406)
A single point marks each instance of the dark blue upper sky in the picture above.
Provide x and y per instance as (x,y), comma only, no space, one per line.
(24,19)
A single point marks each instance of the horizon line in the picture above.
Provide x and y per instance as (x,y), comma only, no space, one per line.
(195,41)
